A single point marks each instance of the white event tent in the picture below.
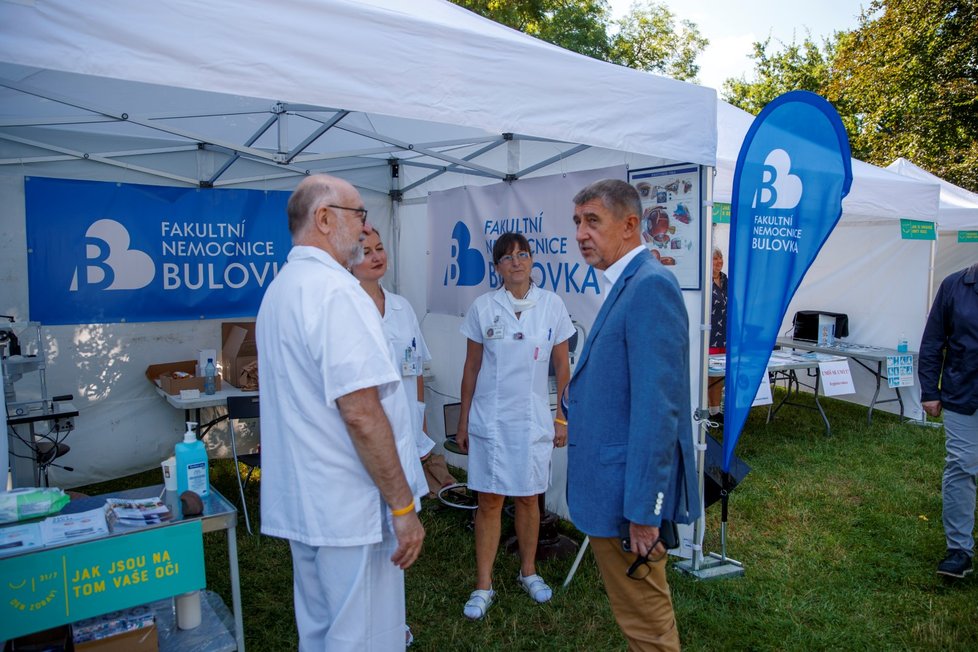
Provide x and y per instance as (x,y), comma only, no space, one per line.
(864,269)
(958,211)
(400,98)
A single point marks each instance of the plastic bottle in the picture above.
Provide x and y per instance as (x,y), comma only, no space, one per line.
(192,466)
(902,344)
(209,373)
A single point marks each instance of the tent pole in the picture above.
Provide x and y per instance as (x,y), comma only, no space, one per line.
(715,566)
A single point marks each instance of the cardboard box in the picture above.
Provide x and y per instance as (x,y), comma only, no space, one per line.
(144,639)
(160,375)
(238,349)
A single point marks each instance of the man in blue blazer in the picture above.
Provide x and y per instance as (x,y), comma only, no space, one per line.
(630,444)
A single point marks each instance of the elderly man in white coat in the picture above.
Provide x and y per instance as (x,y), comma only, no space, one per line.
(340,472)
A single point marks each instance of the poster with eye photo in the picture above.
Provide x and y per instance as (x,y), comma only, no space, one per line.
(670,223)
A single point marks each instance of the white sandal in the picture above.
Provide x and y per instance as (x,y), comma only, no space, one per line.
(478,604)
(536,587)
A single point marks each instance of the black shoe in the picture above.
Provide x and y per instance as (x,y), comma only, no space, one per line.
(957,563)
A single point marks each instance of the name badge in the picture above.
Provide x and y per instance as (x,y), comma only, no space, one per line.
(495,332)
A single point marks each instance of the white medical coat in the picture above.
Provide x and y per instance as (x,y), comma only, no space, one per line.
(320,338)
(404,337)
(511,428)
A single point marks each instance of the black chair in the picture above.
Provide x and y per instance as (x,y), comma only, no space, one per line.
(243,407)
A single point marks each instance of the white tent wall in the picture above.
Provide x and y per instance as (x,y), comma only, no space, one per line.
(172,91)
(864,269)
(880,281)
(958,211)
(441,331)
(123,426)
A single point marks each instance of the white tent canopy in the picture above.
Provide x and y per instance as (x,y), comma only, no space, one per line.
(958,211)
(399,98)
(864,269)
(958,208)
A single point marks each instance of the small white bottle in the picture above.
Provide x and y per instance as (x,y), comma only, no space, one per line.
(902,344)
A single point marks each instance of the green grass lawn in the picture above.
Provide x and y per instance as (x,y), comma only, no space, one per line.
(839,538)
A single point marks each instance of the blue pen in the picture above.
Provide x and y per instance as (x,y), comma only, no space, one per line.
(549,333)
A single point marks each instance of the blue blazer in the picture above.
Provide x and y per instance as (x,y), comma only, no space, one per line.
(630,444)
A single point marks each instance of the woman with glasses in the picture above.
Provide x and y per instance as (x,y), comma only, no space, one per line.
(513,334)
(408,349)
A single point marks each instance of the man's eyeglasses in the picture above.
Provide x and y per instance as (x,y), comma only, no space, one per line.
(522,256)
(642,565)
(362,211)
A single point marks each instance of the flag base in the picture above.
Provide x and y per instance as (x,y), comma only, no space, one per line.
(712,567)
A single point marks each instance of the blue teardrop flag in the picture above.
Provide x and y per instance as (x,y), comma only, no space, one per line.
(793,170)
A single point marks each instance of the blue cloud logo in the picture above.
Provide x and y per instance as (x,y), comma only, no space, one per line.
(467,266)
(110,262)
(778,188)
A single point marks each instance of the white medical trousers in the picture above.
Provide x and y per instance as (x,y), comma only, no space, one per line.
(348,598)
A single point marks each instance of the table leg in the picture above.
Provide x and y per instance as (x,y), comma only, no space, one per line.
(872,403)
(235,587)
(828,428)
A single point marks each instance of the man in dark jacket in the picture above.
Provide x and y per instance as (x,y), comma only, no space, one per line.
(948,371)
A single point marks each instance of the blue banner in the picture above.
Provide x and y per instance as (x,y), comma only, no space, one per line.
(110,252)
(793,170)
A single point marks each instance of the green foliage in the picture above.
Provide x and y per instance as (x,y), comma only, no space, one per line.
(647,38)
(799,66)
(577,25)
(905,82)
(909,72)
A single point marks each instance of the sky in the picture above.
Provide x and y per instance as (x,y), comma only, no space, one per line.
(732,26)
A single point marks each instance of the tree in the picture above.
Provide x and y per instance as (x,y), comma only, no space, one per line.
(909,76)
(647,38)
(905,82)
(799,66)
(577,25)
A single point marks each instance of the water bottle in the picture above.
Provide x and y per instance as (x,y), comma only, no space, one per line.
(209,373)
(902,344)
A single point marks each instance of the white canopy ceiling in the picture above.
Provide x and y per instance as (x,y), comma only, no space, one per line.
(958,208)
(228,92)
(876,194)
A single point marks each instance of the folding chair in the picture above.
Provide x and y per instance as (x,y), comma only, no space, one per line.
(243,407)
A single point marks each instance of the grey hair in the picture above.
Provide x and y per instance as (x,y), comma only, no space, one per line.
(717,252)
(617,196)
(309,195)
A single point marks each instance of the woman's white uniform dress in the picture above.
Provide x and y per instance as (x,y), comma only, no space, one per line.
(409,353)
(511,428)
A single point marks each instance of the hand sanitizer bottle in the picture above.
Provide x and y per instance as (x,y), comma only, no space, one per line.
(192,465)
(902,344)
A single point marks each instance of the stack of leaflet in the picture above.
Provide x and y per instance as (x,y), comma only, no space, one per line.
(117,622)
(18,538)
(68,528)
(136,512)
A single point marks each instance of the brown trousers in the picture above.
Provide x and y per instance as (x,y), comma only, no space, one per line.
(642,608)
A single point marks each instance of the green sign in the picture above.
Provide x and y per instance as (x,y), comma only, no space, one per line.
(967,236)
(721,213)
(52,587)
(917,230)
